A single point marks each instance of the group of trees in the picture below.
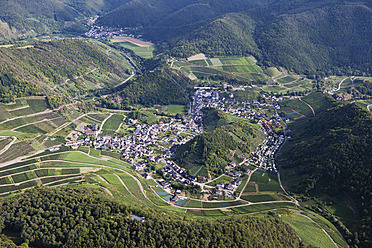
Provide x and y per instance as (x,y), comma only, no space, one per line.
(12,87)
(56,101)
(331,154)
(162,87)
(71,217)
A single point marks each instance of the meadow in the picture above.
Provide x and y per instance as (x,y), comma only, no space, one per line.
(113,123)
(308,231)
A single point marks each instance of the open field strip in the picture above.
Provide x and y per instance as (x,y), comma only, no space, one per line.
(26,116)
(137,42)
(31,123)
(34,182)
(133,186)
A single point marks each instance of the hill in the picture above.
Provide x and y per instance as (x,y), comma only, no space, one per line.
(162,86)
(310,37)
(23,18)
(223,142)
(65,67)
(171,13)
(72,217)
(330,154)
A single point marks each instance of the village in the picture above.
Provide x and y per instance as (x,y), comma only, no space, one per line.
(157,143)
(102,33)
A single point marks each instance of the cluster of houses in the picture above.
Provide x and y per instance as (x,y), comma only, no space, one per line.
(101,32)
(229,186)
(145,136)
(264,155)
(246,109)
(178,174)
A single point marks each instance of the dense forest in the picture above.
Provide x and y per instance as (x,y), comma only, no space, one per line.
(220,143)
(12,87)
(308,36)
(25,70)
(163,87)
(331,153)
(69,217)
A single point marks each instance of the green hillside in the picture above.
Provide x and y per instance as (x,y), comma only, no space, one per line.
(72,217)
(173,13)
(162,87)
(64,67)
(224,141)
(307,36)
(330,157)
(24,19)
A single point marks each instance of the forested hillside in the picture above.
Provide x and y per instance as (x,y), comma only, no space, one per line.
(223,141)
(331,154)
(66,217)
(163,87)
(24,18)
(64,66)
(307,36)
(173,13)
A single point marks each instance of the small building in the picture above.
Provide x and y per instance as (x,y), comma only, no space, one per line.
(95,127)
(220,185)
(135,217)
(201,179)
(229,186)
(174,198)
(89,132)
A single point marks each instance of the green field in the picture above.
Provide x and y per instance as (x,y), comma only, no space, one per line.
(286,79)
(4,142)
(263,207)
(37,105)
(113,122)
(17,104)
(16,150)
(223,179)
(144,52)
(266,182)
(317,101)
(291,105)
(309,232)
(174,109)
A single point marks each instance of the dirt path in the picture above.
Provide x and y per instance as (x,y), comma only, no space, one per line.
(23,107)
(249,178)
(339,85)
(66,124)
(14,129)
(102,178)
(321,229)
(25,116)
(8,145)
(307,105)
(103,122)
(126,80)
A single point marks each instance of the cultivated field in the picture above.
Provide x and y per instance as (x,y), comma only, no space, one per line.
(134,41)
